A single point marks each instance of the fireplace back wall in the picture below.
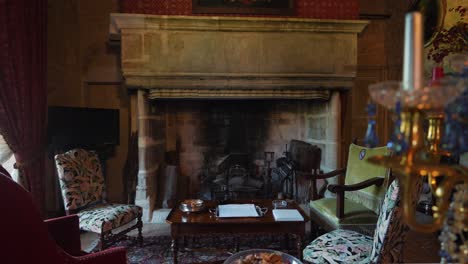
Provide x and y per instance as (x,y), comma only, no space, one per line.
(200,132)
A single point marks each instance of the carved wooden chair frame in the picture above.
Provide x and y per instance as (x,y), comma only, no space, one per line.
(108,238)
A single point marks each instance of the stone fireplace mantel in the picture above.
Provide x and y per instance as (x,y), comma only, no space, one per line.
(205,57)
(236,57)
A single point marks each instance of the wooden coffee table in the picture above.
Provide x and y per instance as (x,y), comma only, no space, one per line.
(204,223)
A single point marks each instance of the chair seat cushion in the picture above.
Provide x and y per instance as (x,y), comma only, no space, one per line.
(104,217)
(339,246)
(354,213)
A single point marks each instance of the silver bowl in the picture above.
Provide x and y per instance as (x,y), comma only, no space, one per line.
(192,206)
(236,258)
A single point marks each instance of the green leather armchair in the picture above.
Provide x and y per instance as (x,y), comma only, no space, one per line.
(356,205)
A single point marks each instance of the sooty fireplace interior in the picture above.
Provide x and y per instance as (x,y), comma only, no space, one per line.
(230,149)
(235,176)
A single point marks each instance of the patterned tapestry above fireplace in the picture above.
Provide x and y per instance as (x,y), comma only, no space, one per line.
(323,9)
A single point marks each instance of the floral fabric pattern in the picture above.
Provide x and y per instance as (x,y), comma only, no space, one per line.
(80,176)
(346,246)
(105,217)
(390,234)
(339,246)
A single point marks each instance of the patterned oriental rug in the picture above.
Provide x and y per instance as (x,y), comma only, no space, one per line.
(206,249)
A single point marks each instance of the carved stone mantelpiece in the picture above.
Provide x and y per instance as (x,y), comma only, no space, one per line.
(233,57)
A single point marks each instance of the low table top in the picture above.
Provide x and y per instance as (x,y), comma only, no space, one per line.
(176,216)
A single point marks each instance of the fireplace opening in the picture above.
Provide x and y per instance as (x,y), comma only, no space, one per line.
(232,149)
(233,177)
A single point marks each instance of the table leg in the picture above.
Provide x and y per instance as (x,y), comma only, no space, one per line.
(174,250)
(299,246)
(285,241)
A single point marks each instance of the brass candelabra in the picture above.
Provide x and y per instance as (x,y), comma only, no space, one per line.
(417,153)
(420,160)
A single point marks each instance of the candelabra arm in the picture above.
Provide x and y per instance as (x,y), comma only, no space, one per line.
(411,182)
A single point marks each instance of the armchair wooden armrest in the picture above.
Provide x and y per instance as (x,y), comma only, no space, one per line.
(336,188)
(66,233)
(341,189)
(329,174)
(316,194)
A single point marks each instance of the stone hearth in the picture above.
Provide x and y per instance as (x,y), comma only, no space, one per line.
(304,63)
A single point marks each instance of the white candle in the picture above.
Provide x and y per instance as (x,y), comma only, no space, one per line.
(413,71)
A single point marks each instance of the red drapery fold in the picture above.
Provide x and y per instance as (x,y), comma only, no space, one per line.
(23,96)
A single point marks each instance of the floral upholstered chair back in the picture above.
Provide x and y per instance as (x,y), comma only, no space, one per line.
(348,246)
(80,176)
(390,233)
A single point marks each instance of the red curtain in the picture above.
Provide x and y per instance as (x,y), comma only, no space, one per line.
(23,96)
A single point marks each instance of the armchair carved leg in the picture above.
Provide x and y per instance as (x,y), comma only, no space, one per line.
(174,250)
(285,242)
(103,240)
(236,244)
(184,242)
(314,231)
(299,246)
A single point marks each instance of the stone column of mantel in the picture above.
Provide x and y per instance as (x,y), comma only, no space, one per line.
(147,166)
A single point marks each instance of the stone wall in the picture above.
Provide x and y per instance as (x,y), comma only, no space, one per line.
(151,149)
(322,129)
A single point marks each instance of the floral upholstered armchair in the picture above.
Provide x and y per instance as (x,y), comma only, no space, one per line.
(82,187)
(347,246)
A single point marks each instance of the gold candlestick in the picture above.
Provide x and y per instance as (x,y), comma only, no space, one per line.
(434,133)
(416,163)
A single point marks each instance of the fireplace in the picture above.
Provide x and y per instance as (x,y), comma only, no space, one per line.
(210,90)
(210,137)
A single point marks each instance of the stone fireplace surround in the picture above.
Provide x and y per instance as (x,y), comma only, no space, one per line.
(304,64)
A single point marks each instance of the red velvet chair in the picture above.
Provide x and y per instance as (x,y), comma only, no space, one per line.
(4,172)
(26,238)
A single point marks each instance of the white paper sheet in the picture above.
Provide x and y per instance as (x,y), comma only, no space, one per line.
(287,215)
(237,210)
